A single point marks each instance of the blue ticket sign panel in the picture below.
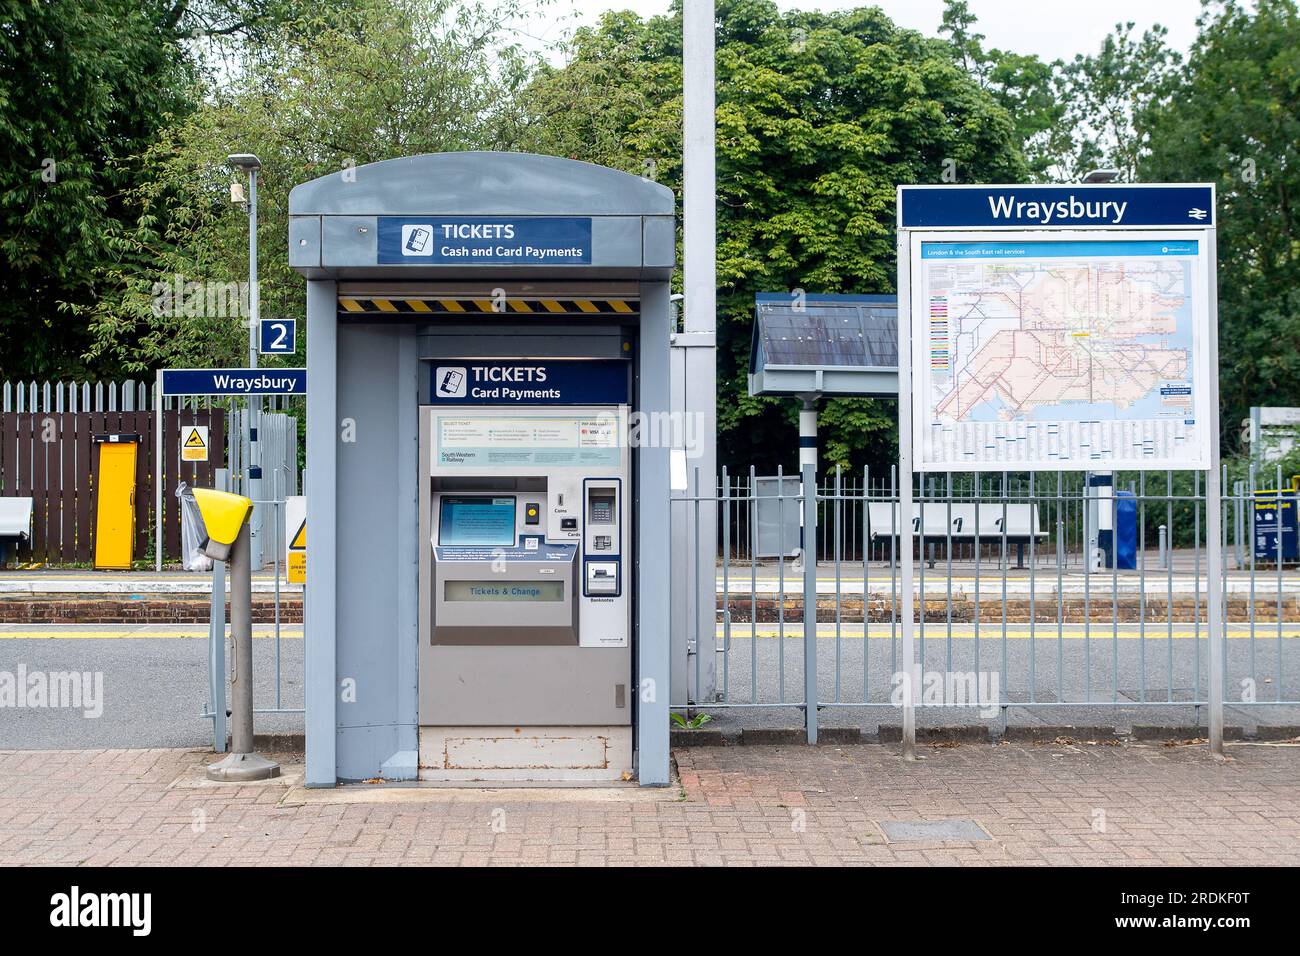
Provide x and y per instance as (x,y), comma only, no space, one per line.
(1056,207)
(234,381)
(485,240)
(521,382)
(278,337)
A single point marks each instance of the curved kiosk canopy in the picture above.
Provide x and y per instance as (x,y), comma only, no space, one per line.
(484,329)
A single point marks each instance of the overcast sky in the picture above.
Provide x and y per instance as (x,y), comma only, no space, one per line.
(1050,28)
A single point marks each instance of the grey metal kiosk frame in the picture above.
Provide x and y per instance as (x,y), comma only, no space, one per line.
(363,432)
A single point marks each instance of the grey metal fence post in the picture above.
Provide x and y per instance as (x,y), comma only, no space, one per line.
(810,603)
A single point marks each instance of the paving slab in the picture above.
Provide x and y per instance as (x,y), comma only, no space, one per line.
(1046,803)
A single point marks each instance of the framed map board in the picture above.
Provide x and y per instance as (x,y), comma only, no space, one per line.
(1052,348)
(1079,351)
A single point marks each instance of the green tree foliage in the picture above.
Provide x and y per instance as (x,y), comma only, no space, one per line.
(1233,118)
(85,86)
(820,116)
(320,96)
(1022,84)
(1110,97)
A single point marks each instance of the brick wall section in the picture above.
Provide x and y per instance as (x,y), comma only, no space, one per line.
(157,609)
(171,609)
(1045,610)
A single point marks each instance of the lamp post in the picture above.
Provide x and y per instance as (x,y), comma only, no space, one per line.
(250,164)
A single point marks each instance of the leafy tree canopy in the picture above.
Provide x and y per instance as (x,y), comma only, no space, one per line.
(820,116)
(319,97)
(85,86)
(1233,118)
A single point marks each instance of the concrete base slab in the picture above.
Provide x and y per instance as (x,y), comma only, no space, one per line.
(526,754)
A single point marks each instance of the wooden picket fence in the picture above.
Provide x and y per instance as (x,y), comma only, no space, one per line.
(49,455)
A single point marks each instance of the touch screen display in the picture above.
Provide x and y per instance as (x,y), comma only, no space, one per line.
(479,521)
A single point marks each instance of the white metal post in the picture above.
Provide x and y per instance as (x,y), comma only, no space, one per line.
(808,488)
(1214,515)
(907,608)
(699,192)
(697,340)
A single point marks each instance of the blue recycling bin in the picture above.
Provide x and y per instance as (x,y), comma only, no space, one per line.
(1126,530)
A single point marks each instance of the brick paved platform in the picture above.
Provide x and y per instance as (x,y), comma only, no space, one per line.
(1048,803)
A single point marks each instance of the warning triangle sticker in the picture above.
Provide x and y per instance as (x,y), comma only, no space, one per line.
(195,440)
(299,541)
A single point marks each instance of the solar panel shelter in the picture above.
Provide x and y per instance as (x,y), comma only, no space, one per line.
(814,345)
(808,346)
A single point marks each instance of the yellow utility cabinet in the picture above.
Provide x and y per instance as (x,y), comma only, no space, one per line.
(115,500)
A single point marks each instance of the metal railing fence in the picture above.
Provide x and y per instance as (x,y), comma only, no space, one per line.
(1068,629)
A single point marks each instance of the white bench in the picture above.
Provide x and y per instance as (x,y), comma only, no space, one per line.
(957,522)
(15,525)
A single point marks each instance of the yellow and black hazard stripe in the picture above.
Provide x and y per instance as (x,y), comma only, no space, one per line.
(393,307)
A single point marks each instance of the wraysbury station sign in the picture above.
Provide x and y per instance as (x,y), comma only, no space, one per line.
(232,381)
(1011,357)
(1030,207)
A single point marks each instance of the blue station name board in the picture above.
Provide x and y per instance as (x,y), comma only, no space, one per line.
(484,240)
(234,381)
(1055,207)
(524,382)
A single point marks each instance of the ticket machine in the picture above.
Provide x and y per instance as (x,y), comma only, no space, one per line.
(526,618)
(487,586)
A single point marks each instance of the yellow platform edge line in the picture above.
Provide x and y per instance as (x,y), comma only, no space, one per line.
(738,632)
(53,635)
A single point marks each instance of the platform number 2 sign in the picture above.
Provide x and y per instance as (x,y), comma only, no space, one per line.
(279,337)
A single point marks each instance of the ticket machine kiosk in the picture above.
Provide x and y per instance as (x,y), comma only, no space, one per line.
(526,624)
(487,593)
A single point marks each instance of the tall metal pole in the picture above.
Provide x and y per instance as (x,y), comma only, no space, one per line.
(905,412)
(697,341)
(242,763)
(1214,516)
(253,297)
(254,404)
(699,186)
